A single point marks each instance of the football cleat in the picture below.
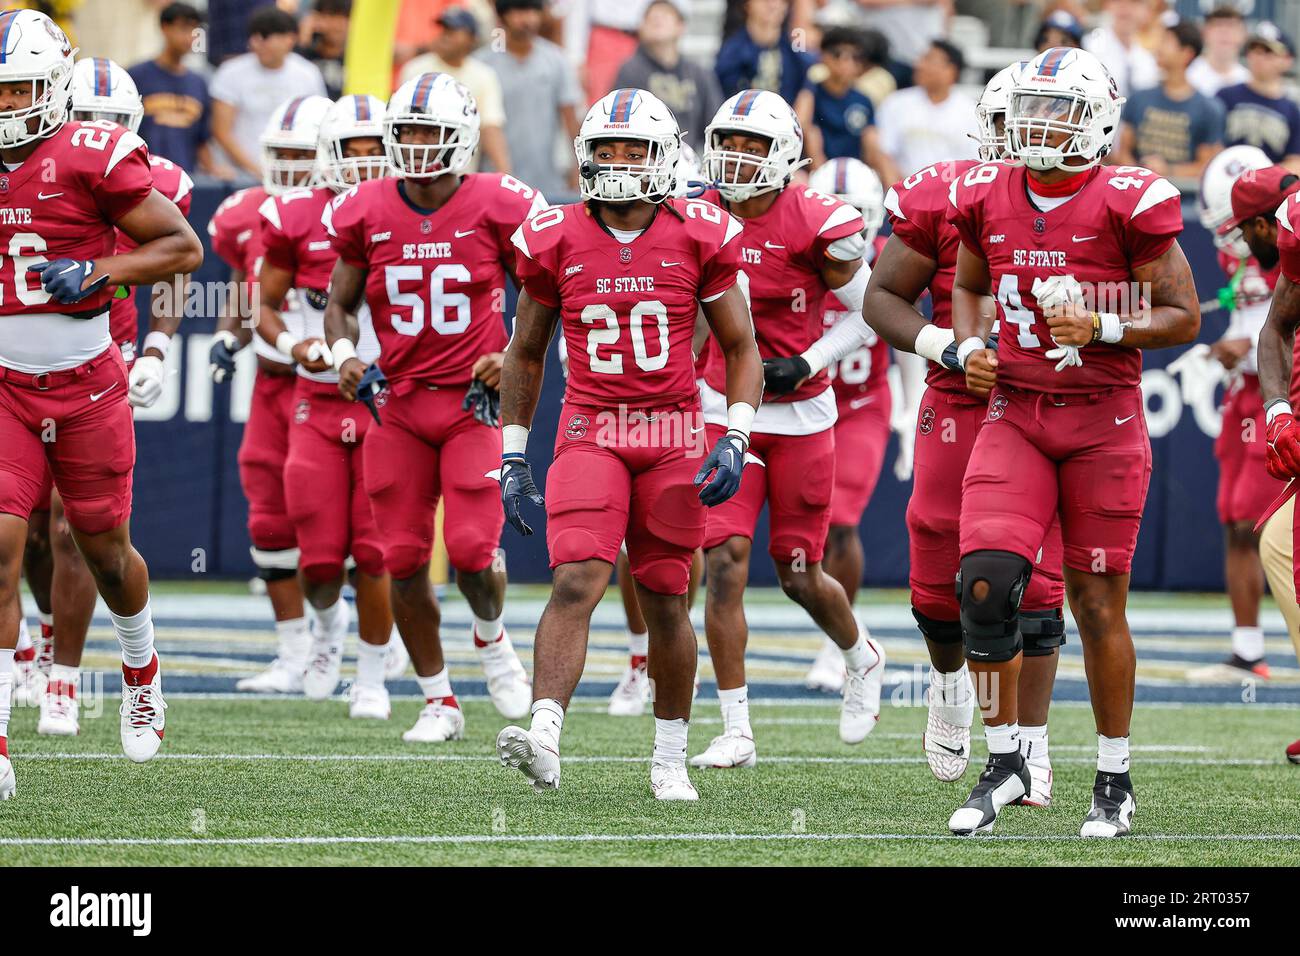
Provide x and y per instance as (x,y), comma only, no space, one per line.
(1112,806)
(732,749)
(633,691)
(1293,752)
(861,707)
(29,683)
(368,703)
(8,782)
(325,659)
(1005,780)
(507,681)
(45,650)
(437,723)
(142,711)
(60,712)
(396,659)
(1230,671)
(1040,783)
(531,755)
(280,678)
(947,747)
(827,672)
(669,781)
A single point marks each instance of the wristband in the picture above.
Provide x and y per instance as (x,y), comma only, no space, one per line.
(740,419)
(157,340)
(966,348)
(514,440)
(1106,327)
(1279,406)
(342,350)
(931,341)
(285,341)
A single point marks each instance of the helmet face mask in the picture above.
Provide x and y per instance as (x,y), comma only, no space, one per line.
(352,143)
(1063,112)
(38,53)
(633,141)
(430,128)
(738,170)
(290,158)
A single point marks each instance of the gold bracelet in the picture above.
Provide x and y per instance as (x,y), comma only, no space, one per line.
(1096,326)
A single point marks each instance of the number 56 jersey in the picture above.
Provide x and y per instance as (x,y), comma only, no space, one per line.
(628,308)
(1121,217)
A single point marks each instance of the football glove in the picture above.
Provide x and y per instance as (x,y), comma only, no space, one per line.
(1055,291)
(372,383)
(725,462)
(62,278)
(145,383)
(516,484)
(1066,354)
(783,375)
(484,402)
(221,357)
(1283,456)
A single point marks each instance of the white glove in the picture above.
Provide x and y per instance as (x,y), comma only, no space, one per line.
(1055,291)
(1068,355)
(906,448)
(145,383)
(319,351)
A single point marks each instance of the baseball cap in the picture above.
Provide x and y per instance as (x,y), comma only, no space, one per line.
(458,18)
(1063,21)
(1270,36)
(1259,192)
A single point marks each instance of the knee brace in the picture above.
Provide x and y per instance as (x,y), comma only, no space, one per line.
(275,565)
(1043,631)
(940,632)
(990,625)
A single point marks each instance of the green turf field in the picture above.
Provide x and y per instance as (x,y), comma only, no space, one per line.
(1212,789)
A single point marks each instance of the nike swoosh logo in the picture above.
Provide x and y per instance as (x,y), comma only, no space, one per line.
(1082,238)
(772,245)
(1121,421)
(859,402)
(48,195)
(97,397)
(696,431)
(667,265)
(468,232)
(955,751)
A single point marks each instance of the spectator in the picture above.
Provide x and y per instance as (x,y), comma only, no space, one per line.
(540,93)
(107,29)
(1259,113)
(690,90)
(1219,64)
(177,109)
(599,36)
(930,122)
(1119,49)
(452,47)
(1059,28)
(247,89)
(417,25)
(877,79)
(228,28)
(909,25)
(1172,129)
(836,117)
(760,55)
(326,28)
(1011,23)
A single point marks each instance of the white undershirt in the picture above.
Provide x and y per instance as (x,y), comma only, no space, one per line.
(1048,203)
(314,328)
(625,236)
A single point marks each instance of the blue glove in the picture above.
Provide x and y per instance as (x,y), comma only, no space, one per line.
(372,383)
(62,278)
(725,462)
(484,402)
(517,483)
(949,358)
(221,357)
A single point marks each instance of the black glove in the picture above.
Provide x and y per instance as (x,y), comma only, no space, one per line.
(484,402)
(221,357)
(372,383)
(949,358)
(62,278)
(783,375)
(517,483)
(726,462)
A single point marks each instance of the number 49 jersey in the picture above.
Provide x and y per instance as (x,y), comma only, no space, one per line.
(1121,218)
(627,309)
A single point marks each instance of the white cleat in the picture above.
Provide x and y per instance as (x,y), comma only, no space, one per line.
(437,723)
(29,683)
(1040,784)
(1004,781)
(397,658)
(60,712)
(8,782)
(632,693)
(669,781)
(1112,809)
(507,681)
(947,747)
(142,713)
(532,756)
(732,749)
(827,673)
(280,678)
(861,707)
(368,703)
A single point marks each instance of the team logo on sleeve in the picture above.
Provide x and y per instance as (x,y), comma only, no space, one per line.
(925,425)
(301,412)
(577,427)
(997,407)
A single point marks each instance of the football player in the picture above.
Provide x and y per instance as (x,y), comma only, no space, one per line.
(429,248)
(624,274)
(1087,271)
(289,145)
(325,495)
(921,254)
(797,246)
(71,186)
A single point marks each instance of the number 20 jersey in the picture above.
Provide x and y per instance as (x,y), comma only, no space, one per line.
(1121,218)
(628,309)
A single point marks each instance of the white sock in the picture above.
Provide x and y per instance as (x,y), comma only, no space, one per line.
(951,695)
(6,689)
(1248,642)
(548,720)
(861,656)
(1003,739)
(62,673)
(1112,754)
(735,710)
(370,664)
(670,740)
(489,631)
(435,687)
(293,640)
(1033,743)
(135,634)
(638,645)
(24,636)
(333,619)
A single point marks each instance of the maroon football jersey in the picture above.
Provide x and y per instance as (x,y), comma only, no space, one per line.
(918,215)
(1121,218)
(174,183)
(63,202)
(435,279)
(294,238)
(236,230)
(1288,247)
(865,368)
(628,309)
(782,253)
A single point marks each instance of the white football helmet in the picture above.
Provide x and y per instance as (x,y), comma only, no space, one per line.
(1215,202)
(34,50)
(1062,92)
(295,124)
(436,101)
(351,117)
(756,113)
(688,171)
(102,90)
(629,114)
(992,105)
(854,182)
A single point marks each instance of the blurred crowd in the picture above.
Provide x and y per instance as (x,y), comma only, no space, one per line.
(891,82)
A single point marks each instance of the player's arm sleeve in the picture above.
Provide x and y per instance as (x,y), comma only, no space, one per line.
(126,179)
(720,265)
(534,275)
(512,209)
(342,220)
(1154,223)
(277,246)
(915,227)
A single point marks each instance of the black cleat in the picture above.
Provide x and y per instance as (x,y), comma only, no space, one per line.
(1112,806)
(1004,781)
